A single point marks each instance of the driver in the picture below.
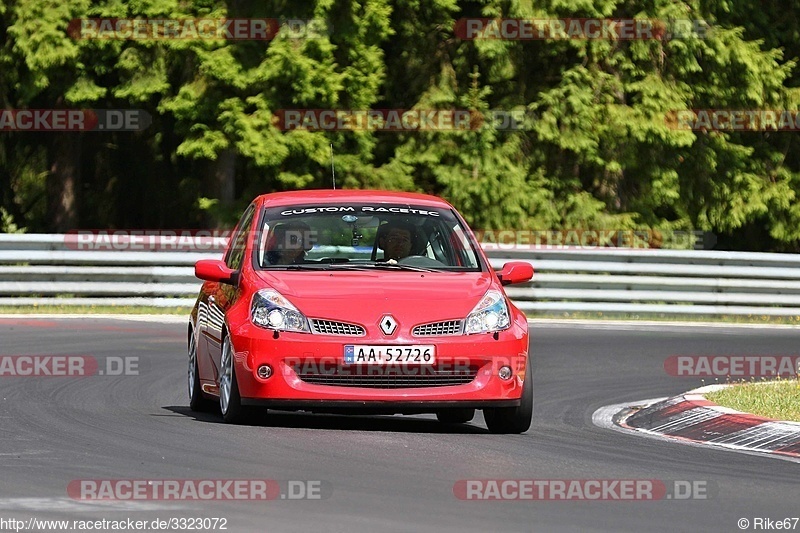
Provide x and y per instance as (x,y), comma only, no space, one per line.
(397,240)
(289,243)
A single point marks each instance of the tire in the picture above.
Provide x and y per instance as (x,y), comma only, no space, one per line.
(455,416)
(230,403)
(197,402)
(505,420)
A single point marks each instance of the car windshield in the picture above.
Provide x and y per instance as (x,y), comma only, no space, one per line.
(364,236)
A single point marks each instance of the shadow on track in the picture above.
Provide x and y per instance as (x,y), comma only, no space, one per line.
(302,420)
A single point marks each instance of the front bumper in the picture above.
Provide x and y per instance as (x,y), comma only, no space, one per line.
(284,389)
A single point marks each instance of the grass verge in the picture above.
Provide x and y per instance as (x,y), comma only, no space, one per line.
(778,399)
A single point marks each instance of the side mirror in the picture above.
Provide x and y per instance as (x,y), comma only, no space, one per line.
(215,270)
(515,272)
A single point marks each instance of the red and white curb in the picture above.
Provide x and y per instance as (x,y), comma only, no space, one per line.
(691,418)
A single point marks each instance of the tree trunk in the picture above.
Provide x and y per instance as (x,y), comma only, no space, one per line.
(225,177)
(62,182)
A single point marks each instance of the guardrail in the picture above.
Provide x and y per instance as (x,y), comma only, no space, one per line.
(40,269)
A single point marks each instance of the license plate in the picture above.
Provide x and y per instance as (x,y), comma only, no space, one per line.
(417,354)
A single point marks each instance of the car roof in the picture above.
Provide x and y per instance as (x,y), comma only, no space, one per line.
(350,195)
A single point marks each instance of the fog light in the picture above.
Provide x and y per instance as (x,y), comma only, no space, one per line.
(504,372)
(264,371)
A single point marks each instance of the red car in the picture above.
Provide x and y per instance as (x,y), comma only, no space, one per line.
(359,301)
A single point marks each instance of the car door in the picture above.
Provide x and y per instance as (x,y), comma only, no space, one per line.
(221,295)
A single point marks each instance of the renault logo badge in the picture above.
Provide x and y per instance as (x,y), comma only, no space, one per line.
(388,324)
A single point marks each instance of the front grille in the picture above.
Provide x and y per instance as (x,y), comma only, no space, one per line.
(374,377)
(332,327)
(447,327)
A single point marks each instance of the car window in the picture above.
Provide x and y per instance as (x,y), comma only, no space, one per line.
(366,235)
(239,239)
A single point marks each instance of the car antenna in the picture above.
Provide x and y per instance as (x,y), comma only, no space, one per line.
(333,169)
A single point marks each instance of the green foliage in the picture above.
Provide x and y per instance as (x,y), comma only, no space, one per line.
(7,224)
(599,152)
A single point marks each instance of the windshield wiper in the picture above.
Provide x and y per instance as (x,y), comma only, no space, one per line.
(381,266)
(352,266)
(299,266)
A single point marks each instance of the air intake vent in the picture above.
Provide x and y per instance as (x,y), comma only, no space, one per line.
(435,329)
(331,327)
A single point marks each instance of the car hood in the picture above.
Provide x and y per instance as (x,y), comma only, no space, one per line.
(365,296)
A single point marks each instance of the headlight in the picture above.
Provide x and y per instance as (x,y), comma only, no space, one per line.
(269,309)
(491,314)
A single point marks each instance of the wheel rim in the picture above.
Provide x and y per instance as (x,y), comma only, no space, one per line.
(192,364)
(225,377)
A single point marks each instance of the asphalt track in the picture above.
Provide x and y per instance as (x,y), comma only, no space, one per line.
(379,473)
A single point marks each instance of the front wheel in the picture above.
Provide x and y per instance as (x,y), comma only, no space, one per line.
(513,419)
(230,403)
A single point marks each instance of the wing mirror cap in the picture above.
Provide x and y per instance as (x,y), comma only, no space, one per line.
(515,272)
(215,270)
